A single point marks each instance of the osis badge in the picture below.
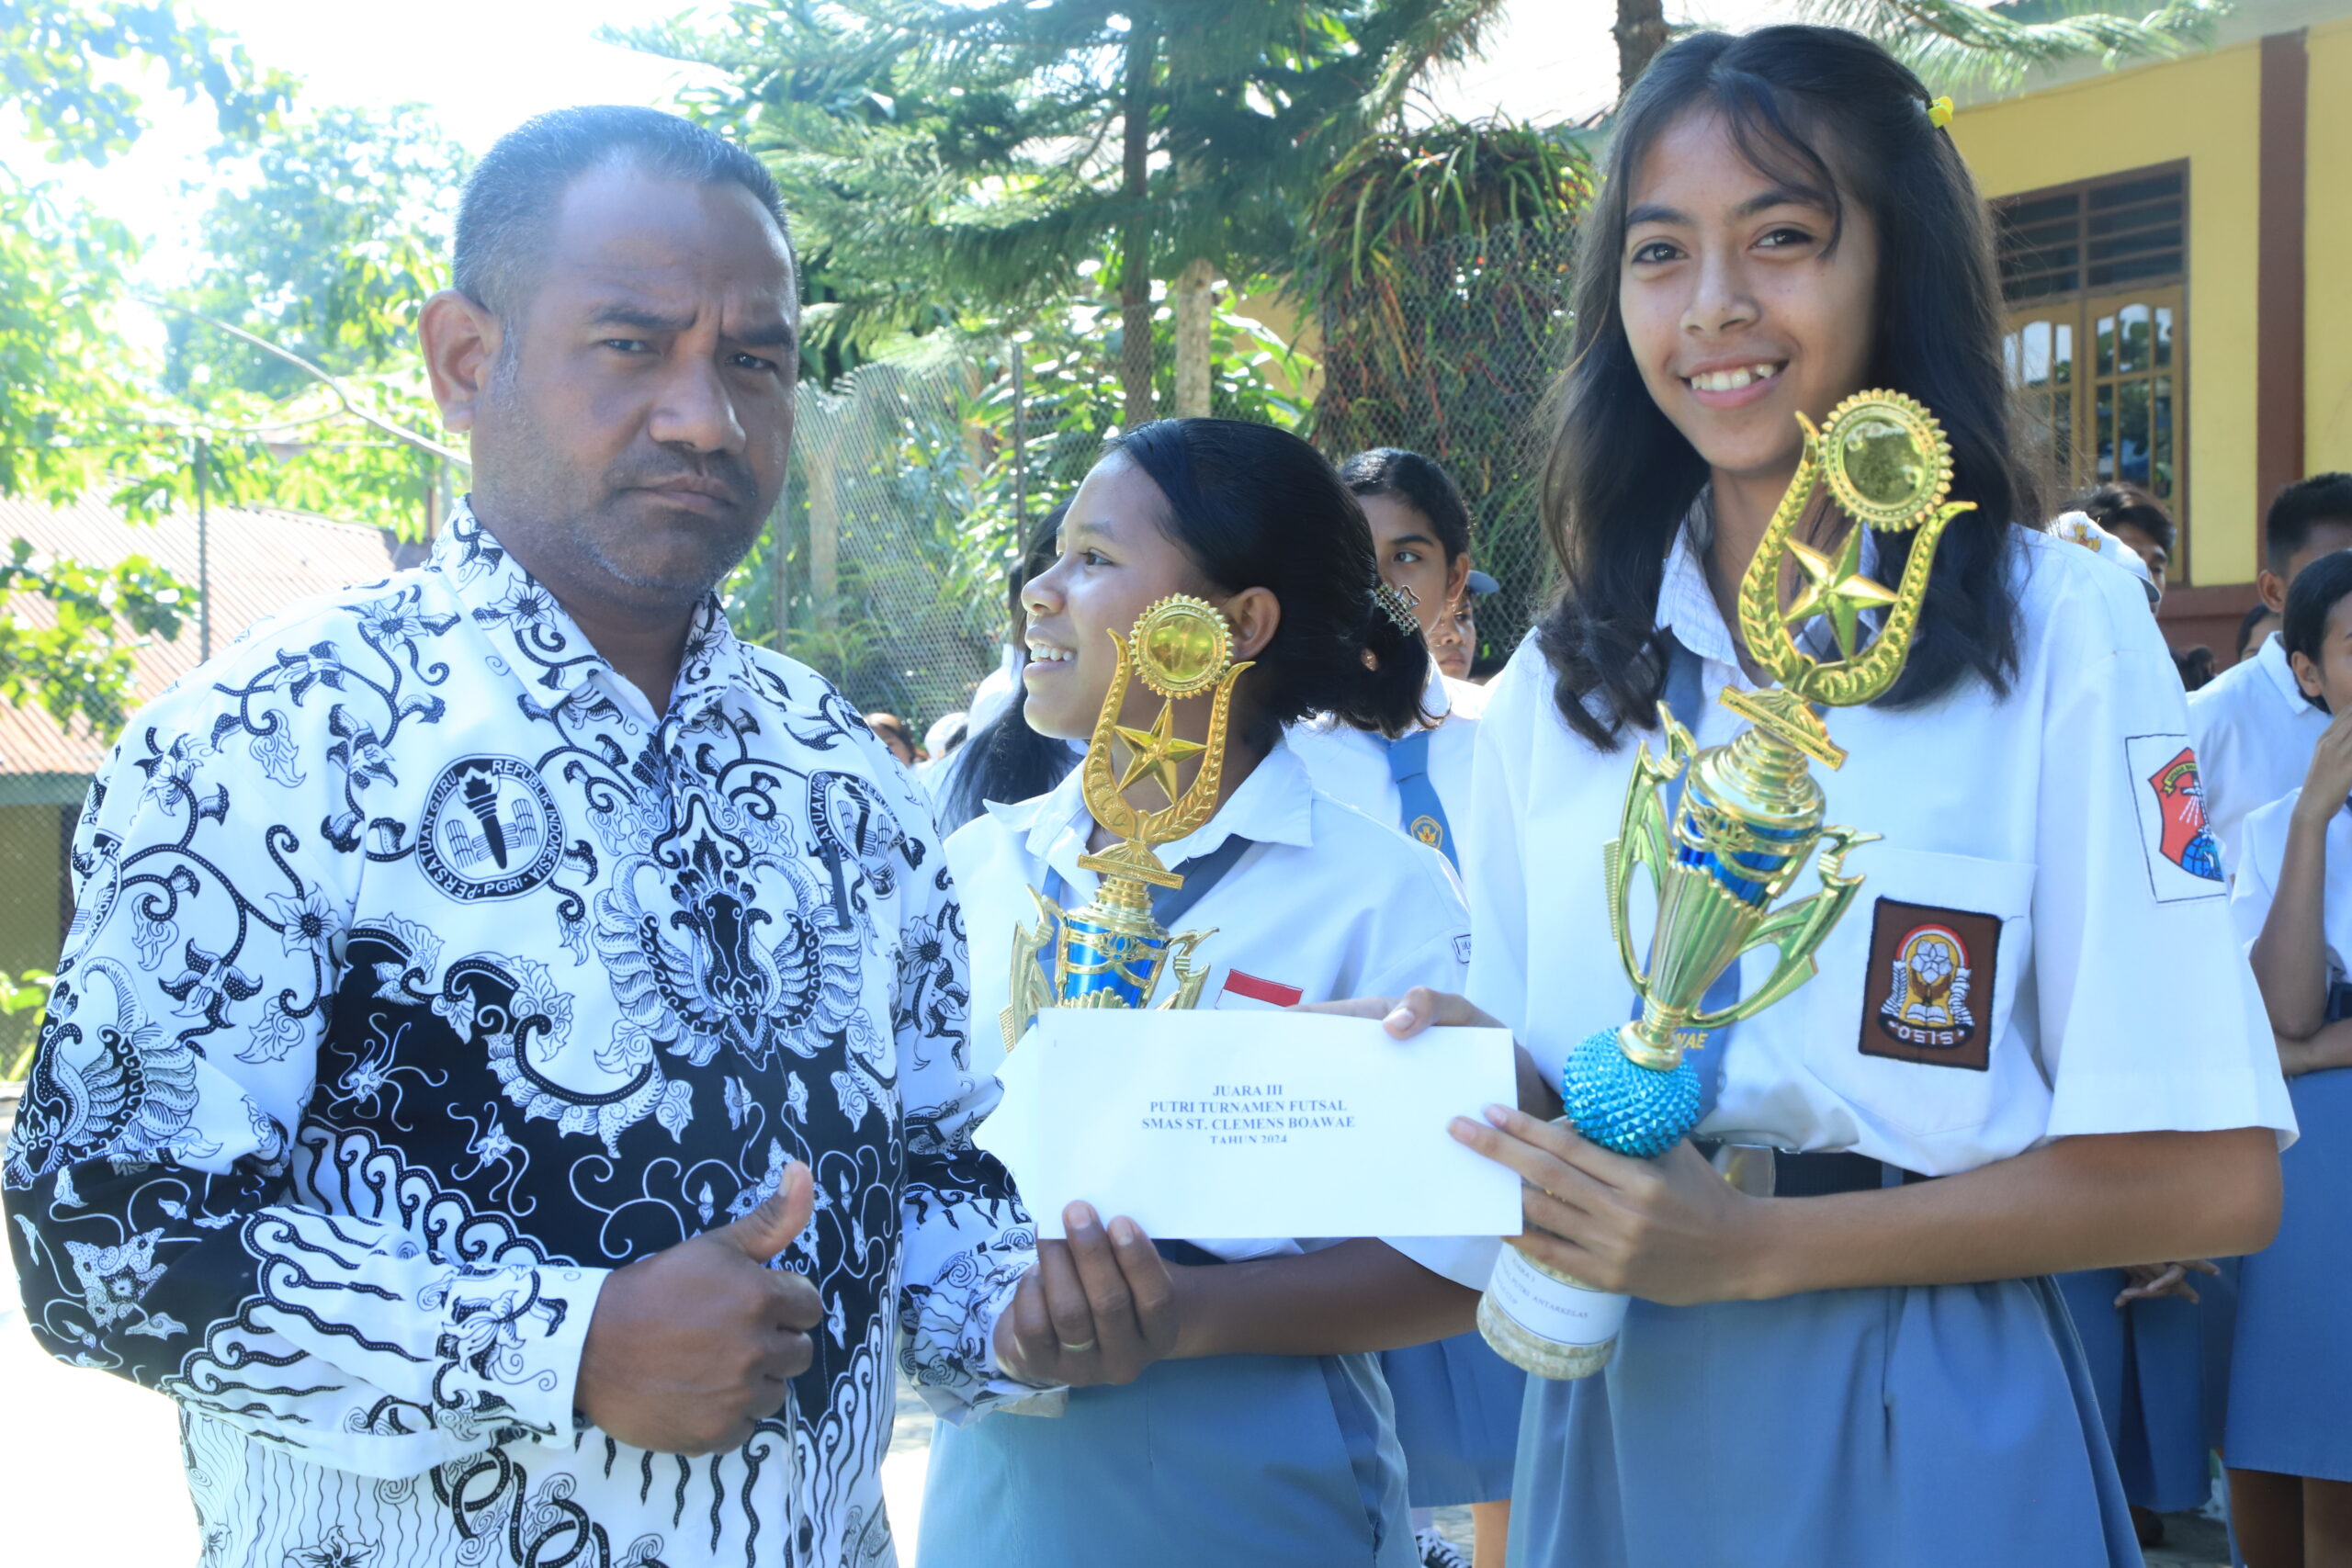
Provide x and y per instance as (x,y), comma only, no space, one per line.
(1930,973)
(490,829)
(1427,829)
(2183,858)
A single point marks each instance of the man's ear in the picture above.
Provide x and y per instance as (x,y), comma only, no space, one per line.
(1256,615)
(2273,589)
(461,341)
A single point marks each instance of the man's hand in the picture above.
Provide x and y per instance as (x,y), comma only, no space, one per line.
(1096,1309)
(690,1348)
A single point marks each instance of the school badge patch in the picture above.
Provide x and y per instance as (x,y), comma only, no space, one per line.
(1930,979)
(1427,830)
(2183,858)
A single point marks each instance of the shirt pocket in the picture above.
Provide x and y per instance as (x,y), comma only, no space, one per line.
(1916,985)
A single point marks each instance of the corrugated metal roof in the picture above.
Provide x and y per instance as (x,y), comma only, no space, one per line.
(260,562)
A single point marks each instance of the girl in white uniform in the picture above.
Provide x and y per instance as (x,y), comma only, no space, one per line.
(2289,1443)
(1267,1437)
(1871,1366)
(1457,1401)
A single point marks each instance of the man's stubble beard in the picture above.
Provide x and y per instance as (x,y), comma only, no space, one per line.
(540,507)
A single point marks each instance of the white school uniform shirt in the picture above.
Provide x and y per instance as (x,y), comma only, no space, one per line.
(2254,731)
(2039,845)
(1328,905)
(2255,886)
(1350,765)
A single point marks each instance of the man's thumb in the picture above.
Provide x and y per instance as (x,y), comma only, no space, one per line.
(778,1220)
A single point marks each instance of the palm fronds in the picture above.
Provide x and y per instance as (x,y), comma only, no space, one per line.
(1956,46)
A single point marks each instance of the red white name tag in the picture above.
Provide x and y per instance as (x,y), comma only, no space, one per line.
(1248,987)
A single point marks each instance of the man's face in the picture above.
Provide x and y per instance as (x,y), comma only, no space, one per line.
(632,435)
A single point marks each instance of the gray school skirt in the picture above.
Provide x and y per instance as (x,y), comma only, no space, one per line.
(1923,1427)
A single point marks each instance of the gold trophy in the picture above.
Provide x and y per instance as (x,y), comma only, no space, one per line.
(1749,818)
(1114,952)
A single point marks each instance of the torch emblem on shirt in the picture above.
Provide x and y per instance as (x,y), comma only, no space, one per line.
(2180,801)
(490,830)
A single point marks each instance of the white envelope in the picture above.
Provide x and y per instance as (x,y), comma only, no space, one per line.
(1205,1123)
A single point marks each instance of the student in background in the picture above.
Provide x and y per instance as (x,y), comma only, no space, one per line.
(1457,1401)
(2289,1445)
(2255,629)
(2253,728)
(2137,518)
(1005,759)
(892,731)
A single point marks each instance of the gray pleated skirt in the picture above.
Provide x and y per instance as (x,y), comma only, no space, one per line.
(1930,1426)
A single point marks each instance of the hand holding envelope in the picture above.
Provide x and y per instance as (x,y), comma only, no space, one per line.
(1215,1125)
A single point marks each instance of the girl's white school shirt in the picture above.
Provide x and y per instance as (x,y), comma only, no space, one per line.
(2040,947)
(2256,874)
(1350,765)
(1327,905)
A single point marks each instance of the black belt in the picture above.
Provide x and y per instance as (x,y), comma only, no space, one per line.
(1821,1175)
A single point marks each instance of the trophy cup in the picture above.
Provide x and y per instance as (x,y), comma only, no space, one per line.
(1749,818)
(1114,952)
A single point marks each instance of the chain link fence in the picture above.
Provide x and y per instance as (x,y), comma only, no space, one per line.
(914,480)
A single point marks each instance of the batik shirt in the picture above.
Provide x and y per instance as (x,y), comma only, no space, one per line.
(420,975)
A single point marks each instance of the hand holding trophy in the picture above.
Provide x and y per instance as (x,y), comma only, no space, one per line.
(1112,952)
(1749,820)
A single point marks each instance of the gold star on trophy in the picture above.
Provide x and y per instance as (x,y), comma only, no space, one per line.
(1157,751)
(1837,589)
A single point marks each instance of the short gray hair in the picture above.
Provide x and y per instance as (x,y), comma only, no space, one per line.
(512,195)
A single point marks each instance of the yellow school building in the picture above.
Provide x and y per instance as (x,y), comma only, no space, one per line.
(2173,244)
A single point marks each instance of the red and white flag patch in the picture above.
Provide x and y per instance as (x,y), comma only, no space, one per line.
(1249,988)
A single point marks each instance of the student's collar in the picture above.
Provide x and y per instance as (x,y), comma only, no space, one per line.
(1686,602)
(2272,658)
(1273,804)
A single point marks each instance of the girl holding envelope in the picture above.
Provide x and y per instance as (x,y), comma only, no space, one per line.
(1457,1401)
(1267,1437)
(1978,1088)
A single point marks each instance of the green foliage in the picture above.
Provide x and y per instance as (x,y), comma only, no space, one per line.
(1438,265)
(29,993)
(50,57)
(959,164)
(328,247)
(78,664)
(1958,45)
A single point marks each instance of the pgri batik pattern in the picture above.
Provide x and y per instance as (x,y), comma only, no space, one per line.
(418,978)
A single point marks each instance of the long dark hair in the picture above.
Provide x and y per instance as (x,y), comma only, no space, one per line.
(1006,760)
(1620,477)
(1256,507)
(1419,482)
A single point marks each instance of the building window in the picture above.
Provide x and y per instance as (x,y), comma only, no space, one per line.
(2095,278)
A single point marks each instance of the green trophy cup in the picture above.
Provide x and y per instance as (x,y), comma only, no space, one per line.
(1749,820)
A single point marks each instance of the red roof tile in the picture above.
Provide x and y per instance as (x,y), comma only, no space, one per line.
(259,561)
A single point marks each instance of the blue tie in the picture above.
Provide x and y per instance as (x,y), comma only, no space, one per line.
(1418,810)
(1685,695)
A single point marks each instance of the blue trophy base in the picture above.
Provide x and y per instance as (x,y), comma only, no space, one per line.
(1623,1106)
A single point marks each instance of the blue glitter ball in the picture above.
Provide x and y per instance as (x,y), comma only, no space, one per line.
(1623,1106)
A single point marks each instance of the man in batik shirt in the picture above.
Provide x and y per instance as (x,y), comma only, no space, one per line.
(470,972)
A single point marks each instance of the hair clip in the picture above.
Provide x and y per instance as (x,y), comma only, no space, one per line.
(1939,113)
(1399,604)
